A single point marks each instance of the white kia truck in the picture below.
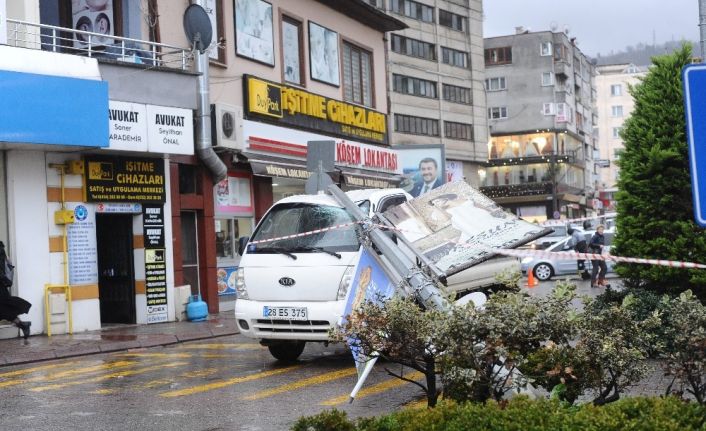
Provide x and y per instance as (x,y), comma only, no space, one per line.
(292,290)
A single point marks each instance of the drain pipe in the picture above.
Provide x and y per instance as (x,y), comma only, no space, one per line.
(204,150)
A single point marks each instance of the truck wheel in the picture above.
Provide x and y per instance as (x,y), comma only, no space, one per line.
(287,352)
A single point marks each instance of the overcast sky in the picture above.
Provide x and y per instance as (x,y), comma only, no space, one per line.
(598,25)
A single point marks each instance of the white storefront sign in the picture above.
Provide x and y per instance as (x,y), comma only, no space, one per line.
(83,249)
(127,126)
(150,128)
(364,156)
(119,208)
(170,130)
(454,171)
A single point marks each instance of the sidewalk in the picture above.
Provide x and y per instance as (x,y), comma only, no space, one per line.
(42,348)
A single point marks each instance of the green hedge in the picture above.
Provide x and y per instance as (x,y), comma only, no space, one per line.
(637,414)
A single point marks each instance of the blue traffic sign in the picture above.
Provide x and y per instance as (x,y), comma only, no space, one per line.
(694,79)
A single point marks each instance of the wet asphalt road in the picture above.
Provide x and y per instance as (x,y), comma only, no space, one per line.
(229,383)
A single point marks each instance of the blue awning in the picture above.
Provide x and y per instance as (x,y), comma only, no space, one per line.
(43,109)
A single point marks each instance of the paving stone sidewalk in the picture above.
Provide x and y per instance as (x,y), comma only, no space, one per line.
(111,339)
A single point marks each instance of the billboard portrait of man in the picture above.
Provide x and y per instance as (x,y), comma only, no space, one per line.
(423,168)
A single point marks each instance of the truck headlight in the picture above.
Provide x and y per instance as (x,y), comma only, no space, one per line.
(345,283)
(240,284)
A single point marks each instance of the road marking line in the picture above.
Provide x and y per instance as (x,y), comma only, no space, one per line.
(228,382)
(125,373)
(104,391)
(188,375)
(33,369)
(156,355)
(322,378)
(374,389)
(221,346)
(69,373)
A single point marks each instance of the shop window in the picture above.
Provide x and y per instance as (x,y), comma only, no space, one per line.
(228,231)
(188,180)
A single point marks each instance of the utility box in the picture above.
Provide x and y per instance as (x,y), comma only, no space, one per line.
(181,299)
(58,317)
(64,217)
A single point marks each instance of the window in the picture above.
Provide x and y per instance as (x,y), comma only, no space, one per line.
(632,69)
(616,111)
(228,230)
(561,53)
(291,51)
(545,49)
(548,109)
(456,94)
(562,113)
(414,86)
(496,84)
(413,9)
(452,20)
(416,125)
(616,90)
(357,75)
(459,131)
(454,57)
(497,113)
(495,56)
(547,79)
(617,153)
(616,132)
(413,47)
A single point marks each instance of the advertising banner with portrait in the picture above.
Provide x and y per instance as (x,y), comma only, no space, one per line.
(423,168)
(456,226)
(253,31)
(94,16)
(323,54)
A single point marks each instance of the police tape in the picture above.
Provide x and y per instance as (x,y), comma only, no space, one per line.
(302,234)
(558,255)
(573,220)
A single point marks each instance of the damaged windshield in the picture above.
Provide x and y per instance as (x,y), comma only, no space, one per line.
(293,218)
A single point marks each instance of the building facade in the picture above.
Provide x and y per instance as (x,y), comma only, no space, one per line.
(89,122)
(614,105)
(541,110)
(435,85)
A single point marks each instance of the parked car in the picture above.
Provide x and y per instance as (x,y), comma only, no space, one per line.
(546,267)
(560,232)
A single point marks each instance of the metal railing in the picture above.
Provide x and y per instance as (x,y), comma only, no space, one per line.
(96,45)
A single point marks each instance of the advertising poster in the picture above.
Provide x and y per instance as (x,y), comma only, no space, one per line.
(323,54)
(423,168)
(253,30)
(456,226)
(233,194)
(370,283)
(94,16)
(83,249)
(155,263)
(226,280)
(454,171)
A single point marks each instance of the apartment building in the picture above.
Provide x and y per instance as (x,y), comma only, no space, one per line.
(614,105)
(541,97)
(435,85)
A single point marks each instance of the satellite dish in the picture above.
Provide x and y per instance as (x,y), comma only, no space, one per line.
(197,26)
(553,26)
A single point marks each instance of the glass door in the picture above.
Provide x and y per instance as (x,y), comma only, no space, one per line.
(190,250)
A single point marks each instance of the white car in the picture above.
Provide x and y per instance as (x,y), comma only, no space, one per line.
(546,267)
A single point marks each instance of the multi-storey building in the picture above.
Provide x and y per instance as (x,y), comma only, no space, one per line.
(540,95)
(435,82)
(105,147)
(614,104)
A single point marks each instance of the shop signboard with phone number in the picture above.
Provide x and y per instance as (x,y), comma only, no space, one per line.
(124,179)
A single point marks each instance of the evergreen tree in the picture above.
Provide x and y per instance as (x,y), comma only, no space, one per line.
(655,214)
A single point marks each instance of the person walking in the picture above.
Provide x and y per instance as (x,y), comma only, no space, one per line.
(11,306)
(578,244)
(599,266)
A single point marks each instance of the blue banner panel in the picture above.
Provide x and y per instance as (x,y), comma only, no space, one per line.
(694,79)
(42,109)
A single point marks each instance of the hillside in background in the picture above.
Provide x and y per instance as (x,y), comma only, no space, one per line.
(641,54)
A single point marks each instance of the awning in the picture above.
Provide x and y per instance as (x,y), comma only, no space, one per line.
(368,179)
(269,166)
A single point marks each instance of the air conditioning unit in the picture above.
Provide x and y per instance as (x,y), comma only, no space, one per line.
(227,126)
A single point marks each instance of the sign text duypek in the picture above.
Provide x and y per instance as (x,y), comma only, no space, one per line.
(123,179)
(295,107)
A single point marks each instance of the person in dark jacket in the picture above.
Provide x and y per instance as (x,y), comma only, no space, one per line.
(11,306)
(599,267)
(578,244)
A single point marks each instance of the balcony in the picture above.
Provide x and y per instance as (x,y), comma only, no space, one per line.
(562,69)
(515,190)
(96,45)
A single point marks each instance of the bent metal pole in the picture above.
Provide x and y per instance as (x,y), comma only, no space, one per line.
(424,288)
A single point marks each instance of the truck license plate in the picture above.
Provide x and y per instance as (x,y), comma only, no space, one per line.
(285,313)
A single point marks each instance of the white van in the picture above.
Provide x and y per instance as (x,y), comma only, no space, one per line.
(293,290)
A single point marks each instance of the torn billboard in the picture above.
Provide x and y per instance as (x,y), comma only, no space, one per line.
(456,226)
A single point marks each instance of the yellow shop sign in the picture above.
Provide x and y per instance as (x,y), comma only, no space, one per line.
(264,98)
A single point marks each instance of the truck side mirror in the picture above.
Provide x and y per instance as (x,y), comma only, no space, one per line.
(242,242)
